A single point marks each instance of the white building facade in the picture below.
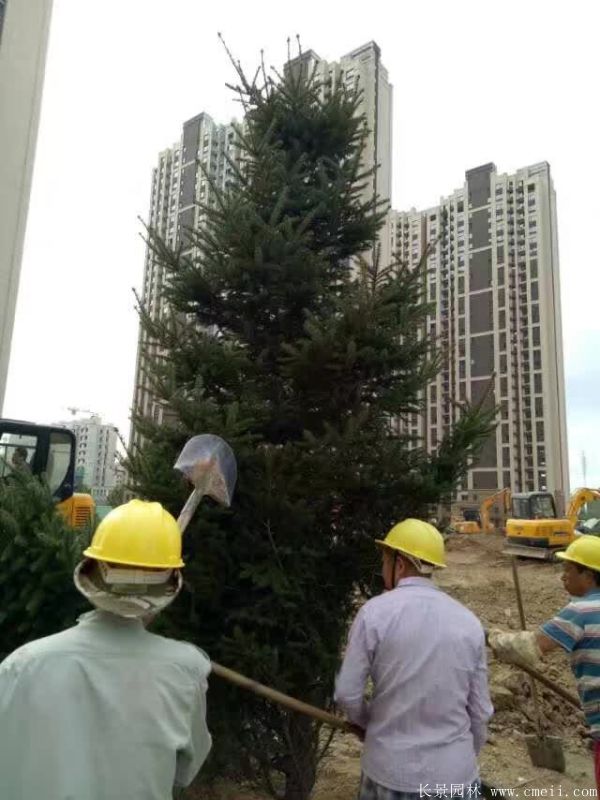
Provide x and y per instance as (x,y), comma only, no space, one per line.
(180,182)
(96,456)
(363,68)
(493,279)
(24,28)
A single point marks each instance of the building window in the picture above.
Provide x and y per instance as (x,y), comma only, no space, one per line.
(541,455)
(539,407)
(533,268)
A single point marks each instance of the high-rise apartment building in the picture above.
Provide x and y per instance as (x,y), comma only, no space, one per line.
(363,68)
(24,30)
(96,454)
(179,181)
(493,277)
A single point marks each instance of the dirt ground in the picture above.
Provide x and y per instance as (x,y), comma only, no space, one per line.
(480,577)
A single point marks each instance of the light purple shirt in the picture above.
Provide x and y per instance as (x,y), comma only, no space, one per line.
(426,720)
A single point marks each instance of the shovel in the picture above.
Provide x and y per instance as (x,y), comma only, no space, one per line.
(544,751)
(209,464)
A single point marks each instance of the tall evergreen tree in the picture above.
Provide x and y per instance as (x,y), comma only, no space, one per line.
(281,338)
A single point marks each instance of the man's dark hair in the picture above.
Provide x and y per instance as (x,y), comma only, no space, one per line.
(22,451)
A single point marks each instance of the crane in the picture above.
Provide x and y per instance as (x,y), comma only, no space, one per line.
(74,411)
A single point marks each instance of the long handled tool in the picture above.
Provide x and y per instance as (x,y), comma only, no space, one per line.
(544,751)
(552,685)
(209,464)
(548,683)
(279,697)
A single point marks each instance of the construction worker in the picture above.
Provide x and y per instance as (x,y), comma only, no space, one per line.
(426,720)
(105,709)
(575,629)
(19,459)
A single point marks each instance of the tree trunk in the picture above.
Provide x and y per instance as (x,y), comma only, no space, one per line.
(302,742)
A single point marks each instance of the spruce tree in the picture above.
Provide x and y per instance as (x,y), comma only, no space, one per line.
(284,338)
(38,553)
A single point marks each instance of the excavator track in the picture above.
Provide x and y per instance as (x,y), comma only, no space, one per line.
(527,551)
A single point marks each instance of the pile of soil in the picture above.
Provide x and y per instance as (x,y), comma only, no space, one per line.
(480,576)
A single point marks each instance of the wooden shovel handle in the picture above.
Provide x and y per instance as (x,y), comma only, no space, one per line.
(550,684)
(278,697)
(534,695)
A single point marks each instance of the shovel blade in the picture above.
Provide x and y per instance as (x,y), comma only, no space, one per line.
(208,462)
(546,751)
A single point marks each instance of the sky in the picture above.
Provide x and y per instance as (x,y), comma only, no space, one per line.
(474,81)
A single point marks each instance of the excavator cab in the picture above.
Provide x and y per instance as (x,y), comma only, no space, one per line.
(533,505)
(47,451)
(534,530)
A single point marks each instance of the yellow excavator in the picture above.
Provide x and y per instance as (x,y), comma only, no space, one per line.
(532,526)
(484,524)
(47,451)
(534,529)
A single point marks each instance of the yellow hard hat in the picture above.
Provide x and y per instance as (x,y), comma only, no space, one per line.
(138,534)
(418,539)
(585,550)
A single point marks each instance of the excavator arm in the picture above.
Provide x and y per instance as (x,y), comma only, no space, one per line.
(503,496)
(578,499)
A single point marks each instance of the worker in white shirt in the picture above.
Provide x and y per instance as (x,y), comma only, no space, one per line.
(425,723)
(105,709)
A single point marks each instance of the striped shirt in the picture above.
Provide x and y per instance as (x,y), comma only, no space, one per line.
(576,628)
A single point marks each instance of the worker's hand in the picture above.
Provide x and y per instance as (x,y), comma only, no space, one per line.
(357,731)
(515,648)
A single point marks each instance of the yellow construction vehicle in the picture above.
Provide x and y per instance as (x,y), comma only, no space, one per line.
(485,524)
(580,498)
(532,526)
(535,531)
(46,451)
